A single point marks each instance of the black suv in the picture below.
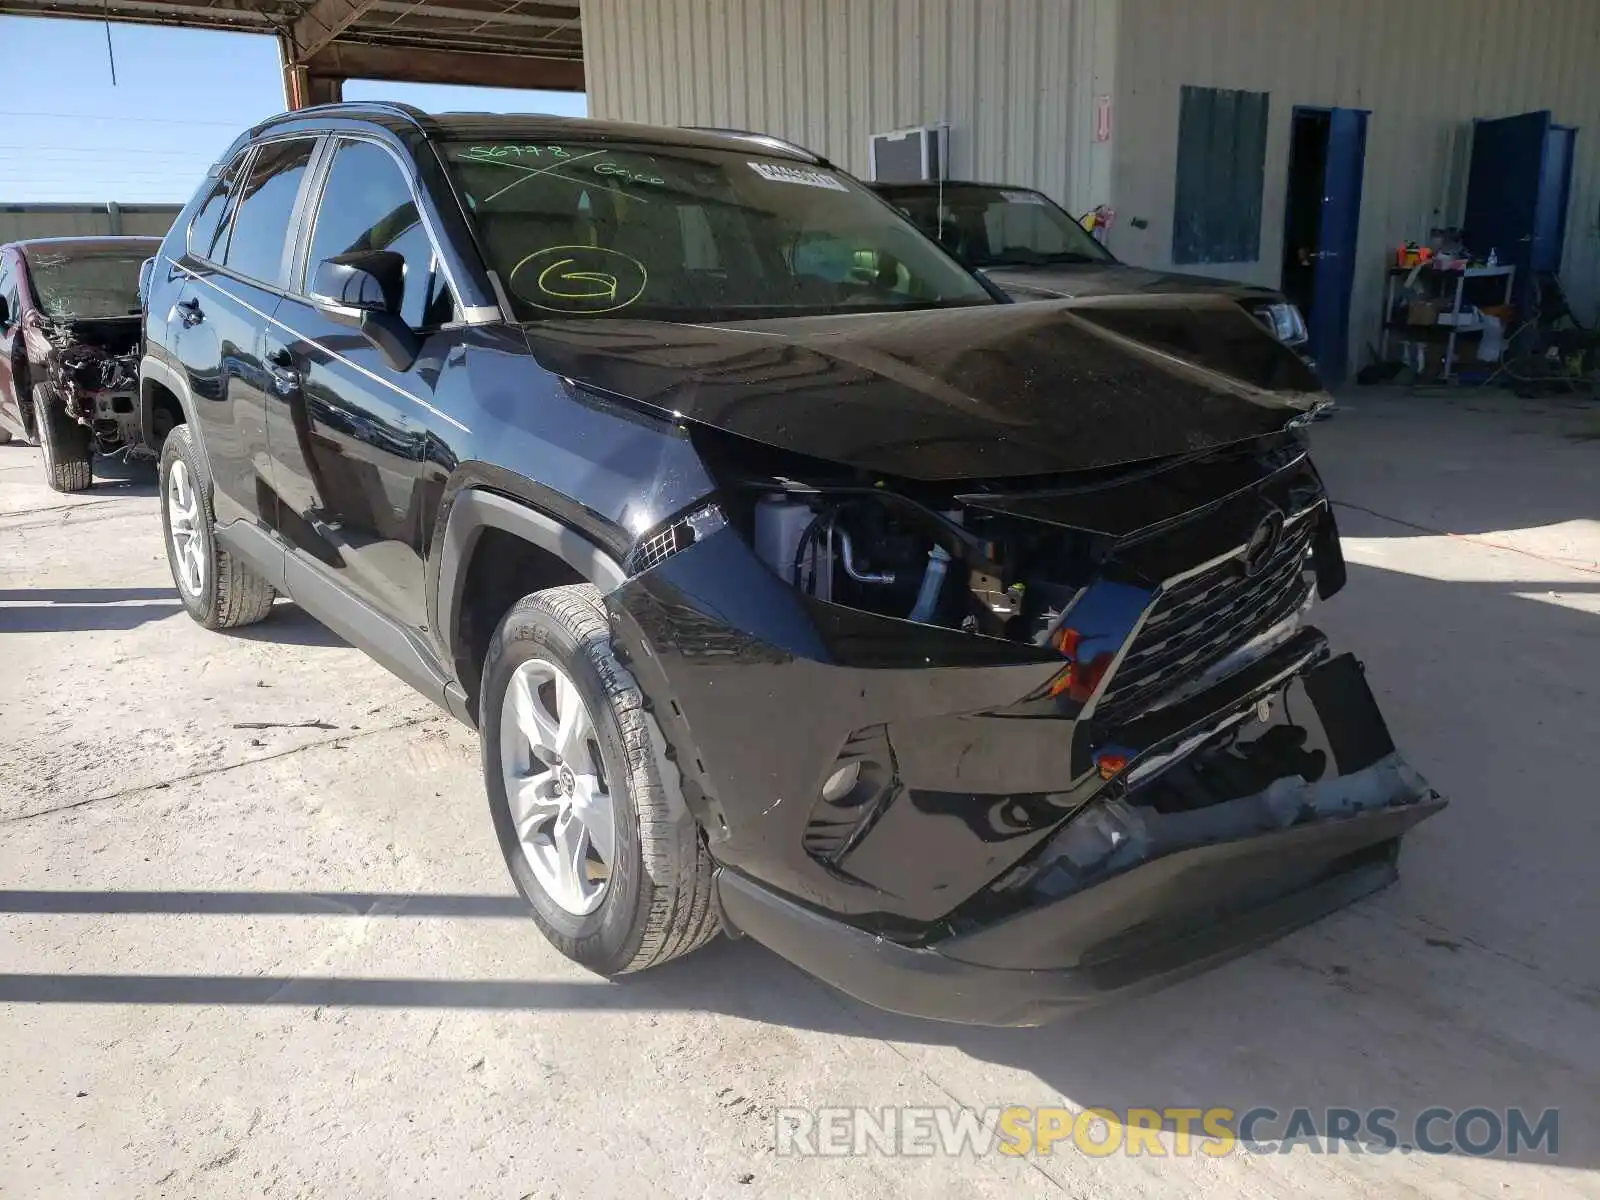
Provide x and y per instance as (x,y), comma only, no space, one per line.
(798,584)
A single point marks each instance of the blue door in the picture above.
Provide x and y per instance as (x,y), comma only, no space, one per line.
(1336,254)
(1550,209)
(1503,187)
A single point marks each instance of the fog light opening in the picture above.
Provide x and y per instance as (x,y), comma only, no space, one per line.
(841,783)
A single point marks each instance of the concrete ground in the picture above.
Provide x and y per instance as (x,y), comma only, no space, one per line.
(256,938)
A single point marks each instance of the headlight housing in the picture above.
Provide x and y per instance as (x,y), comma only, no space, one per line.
(1283,319)
(661,543)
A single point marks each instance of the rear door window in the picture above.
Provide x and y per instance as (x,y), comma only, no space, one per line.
(255,241)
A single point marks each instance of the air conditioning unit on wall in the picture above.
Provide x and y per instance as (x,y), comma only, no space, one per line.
(909,155)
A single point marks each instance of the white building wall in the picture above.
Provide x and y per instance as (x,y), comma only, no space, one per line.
(1014,79)
(1424,69)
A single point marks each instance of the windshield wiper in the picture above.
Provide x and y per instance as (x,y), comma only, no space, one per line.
(1018,256)
(1024,256)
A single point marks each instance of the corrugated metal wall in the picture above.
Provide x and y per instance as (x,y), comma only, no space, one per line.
(1424,68)
(21,221)
(1014,79)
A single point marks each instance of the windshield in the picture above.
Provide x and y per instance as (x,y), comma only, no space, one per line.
(1000,227)
(683,234)
(79,287)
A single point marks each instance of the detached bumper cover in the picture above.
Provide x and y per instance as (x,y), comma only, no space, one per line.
(943,984)
(1165,895)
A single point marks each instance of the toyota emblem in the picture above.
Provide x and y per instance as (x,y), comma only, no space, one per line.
(1264,543)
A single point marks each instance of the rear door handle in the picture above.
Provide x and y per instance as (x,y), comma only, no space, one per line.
(189,312)
(281,363)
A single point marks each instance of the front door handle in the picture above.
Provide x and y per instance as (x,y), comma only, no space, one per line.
(189,312)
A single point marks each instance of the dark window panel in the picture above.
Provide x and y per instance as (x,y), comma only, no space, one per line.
(1222,152)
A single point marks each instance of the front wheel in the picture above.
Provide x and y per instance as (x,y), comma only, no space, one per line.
(585,803)
(65,443)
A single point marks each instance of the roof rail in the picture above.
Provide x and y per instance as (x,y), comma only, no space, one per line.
(765,138)
(394,107)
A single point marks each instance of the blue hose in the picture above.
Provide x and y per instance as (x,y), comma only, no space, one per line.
(932,583)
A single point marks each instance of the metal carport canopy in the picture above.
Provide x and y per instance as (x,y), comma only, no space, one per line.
(494,43)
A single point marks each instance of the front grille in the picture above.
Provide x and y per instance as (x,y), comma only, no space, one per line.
(1199,621)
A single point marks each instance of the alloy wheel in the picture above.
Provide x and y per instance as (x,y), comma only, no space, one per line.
(556,786)
(184,526)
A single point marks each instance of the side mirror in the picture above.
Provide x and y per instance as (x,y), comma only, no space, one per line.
(364,288)
(5,313)
(144,281)
(359,282)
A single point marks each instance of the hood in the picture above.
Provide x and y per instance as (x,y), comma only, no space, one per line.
(982,392)
(1079,280)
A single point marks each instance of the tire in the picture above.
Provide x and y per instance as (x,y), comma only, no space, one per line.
(657,902)
(66,444)
(217,589)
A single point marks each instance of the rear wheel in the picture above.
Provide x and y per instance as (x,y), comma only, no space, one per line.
(216,588)
(65,443)
(586,805)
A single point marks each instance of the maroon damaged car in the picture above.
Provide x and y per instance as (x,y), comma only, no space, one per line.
(69,349)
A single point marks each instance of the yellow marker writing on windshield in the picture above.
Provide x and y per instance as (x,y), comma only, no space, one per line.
(606,284)
(578,280)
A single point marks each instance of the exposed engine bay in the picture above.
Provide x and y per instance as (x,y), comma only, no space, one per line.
(883,552)
(1012,558)
(935,554)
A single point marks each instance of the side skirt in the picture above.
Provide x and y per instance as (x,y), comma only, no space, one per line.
(392,645)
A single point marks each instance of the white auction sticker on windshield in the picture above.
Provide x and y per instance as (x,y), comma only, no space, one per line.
(1023,197)
(804,176)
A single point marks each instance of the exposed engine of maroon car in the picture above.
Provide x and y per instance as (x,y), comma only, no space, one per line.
(93,364)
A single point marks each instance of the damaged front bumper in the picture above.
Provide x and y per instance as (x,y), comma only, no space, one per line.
(985,860)
(1126,898)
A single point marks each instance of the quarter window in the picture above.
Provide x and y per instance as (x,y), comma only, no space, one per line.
(255,241)
(208,222)
(368,205)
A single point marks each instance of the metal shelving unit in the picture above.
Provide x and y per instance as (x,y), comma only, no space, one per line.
(1446,331)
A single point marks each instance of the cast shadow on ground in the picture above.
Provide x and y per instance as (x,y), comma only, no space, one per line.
(138,477)
(68,610)
(119,475)
(1388,1004)
(289,625)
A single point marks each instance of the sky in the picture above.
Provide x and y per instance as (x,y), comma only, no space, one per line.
(66,134)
